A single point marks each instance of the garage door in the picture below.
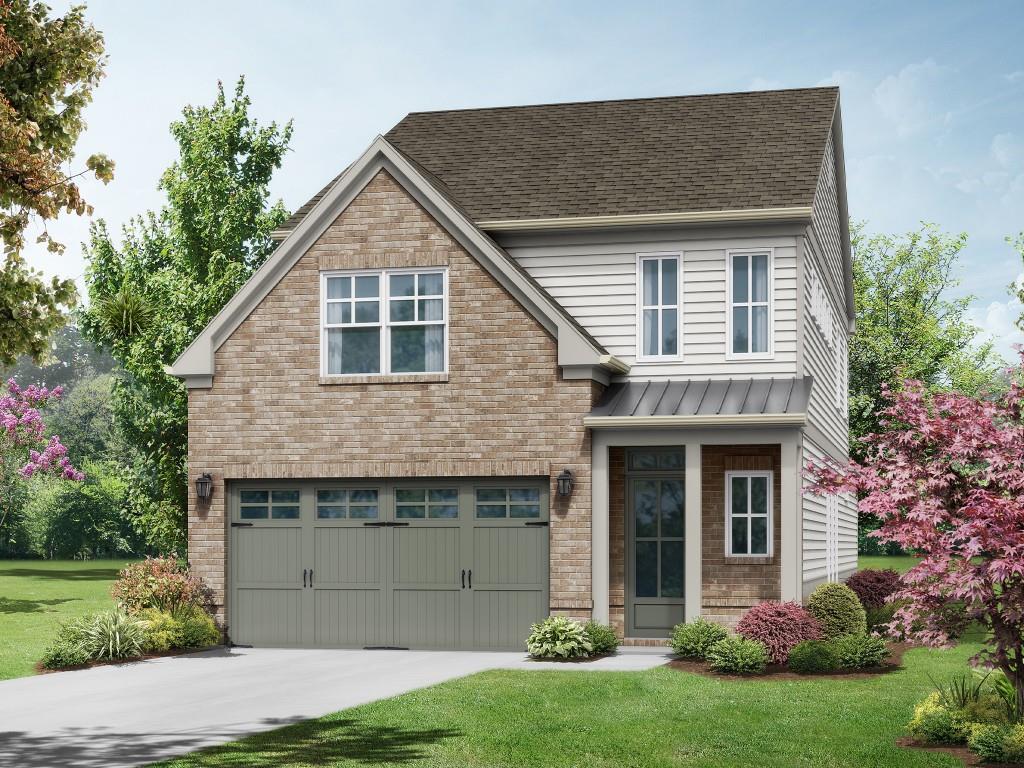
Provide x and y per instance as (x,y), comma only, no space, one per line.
(410,564)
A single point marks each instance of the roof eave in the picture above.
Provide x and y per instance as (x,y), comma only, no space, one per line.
(801,214)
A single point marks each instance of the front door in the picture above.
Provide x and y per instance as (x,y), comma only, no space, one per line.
(655,528)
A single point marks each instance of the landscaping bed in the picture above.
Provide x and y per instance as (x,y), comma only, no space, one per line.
(41,670)
(782,672)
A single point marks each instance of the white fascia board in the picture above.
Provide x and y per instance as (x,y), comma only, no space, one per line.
(699,420)
(197,361)
(797,213)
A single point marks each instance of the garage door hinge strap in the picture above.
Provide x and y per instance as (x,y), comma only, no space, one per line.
(241,525)
(542,523)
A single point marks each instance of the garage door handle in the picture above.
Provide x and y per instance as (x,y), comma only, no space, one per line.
(311,577)
(463,578)
(470,578)
(241,525)
(539,523)
(304,572)
(375,525)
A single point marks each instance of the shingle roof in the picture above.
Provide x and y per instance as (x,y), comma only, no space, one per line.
(706,397)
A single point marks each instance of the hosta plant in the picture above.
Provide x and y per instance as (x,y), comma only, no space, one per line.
(558,637)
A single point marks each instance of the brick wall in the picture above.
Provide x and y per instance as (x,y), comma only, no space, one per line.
(503,409)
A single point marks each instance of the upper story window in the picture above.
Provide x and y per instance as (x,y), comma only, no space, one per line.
(659,306)
(750,304)
(384,322)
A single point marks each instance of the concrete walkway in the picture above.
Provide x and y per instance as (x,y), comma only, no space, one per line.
(134,714)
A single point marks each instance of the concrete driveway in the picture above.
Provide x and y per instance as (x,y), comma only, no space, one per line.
(134,714)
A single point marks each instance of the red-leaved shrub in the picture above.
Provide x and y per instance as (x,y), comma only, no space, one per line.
(873,586)
(779,627)
(163,583)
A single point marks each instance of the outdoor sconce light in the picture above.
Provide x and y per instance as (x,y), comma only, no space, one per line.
(204,486)
(565,482)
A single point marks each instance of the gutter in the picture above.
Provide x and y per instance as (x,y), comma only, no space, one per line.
(698,420)
(800,213)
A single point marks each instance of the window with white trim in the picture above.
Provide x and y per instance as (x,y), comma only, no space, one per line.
(748,519)
(385,322)
(749,304)
(659,306)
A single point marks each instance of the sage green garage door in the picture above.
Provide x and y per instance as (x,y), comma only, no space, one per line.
(410,564)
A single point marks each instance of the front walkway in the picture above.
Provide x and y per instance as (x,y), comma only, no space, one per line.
(134,714)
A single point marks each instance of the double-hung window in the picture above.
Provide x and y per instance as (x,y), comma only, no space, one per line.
(385,322)
(748,509)
(659,306)
(750,304)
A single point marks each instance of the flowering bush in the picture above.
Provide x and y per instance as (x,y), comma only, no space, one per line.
(163,583)
(778,627)
(872,586)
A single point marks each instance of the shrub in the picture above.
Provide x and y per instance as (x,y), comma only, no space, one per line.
(161,630)
(778,627)
(961,689)
(1013,744)
(1006,692)
(163,583)
(694,640)
(988,742)
(860,651)
(558,637)
(838,610)
(602,637)
(112,635)
(933,723)
(738,656)
(987,709)
(872,586)
(878,618)
(66,649)
(813,657)
(196,629)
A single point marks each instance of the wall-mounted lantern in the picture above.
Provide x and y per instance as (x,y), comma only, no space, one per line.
(565,482)
(204,487)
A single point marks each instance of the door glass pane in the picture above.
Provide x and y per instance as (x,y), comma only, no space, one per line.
(332,496)
(410,495)
(739,330)
(645,508)
(650,332)
(253,513)
(650,278)
(643,460)
(367,286)
(360,352)
(671,569)
(671,508)
(406,511)
(524,510)
(739,278)
(759,495)
(368,496)
(759,329)
(739,495)
(524,494)
(364,513)
(669,282)
(490,494)
(670,460)
(669,332)
(449,495)
(431,284)
(759,535)
(759,277)
(285,497)
(444,512)
(328,512)
(739,535)
(646,568)
(253,497)
(490,511)
(403,285)
(284,512)
(402,311)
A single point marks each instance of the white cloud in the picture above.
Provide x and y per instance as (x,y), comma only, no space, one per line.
(1015,77)
(908,99)
(998,322)
(1007,150)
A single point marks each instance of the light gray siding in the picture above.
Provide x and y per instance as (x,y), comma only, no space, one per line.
(828,531)
(825,221)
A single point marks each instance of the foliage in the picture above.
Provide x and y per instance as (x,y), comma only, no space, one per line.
(694,639)
(987,742)
(879,619)
(961,690)
(161,630)
(812,657)
(872,586)
(558,637)
(164,583)
(66,649)
(31,307)
(778,627)
(70,358)
(173,270)
(1004,689)
(189,627)
(1013,744)
(1017,287)
(738,656)
(934,723)
(838,610)
(871,546)
(946,479)
(84,419)
(602,637)
(112,635)
(861,651)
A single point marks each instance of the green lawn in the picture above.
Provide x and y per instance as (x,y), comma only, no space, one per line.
(901,563)
(36,595)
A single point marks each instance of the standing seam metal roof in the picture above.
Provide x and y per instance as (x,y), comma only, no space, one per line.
(706,397)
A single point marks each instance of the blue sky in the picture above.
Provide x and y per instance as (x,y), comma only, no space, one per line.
(932,93)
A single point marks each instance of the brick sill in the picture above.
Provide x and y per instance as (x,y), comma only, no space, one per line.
(411,378)
(748,560)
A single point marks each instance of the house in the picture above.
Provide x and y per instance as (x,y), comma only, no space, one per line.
(563,359)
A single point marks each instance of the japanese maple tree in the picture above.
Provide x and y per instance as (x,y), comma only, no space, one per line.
(945,477)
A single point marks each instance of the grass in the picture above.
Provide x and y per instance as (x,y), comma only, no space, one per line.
(36,595)
(900,563)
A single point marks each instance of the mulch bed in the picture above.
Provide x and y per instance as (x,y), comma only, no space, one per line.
(781,672)
(957,751)
(41,670)
(576,660)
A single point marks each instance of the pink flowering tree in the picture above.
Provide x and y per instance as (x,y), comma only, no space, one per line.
(24,448)
(946,479)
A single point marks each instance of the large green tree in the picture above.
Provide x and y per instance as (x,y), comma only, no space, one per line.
(172,271)
(49,67)
(909,326)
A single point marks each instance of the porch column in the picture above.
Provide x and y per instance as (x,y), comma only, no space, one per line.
(692,591)
(791,483)
(599,543)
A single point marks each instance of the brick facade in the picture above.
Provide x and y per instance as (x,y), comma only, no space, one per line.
(503,408)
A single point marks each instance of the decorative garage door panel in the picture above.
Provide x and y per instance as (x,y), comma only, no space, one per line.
(403,564)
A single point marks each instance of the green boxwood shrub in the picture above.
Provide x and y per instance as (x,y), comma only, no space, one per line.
(66,648)
(196,629)
(738,656)
(838,610)
(694,639)
(558,637)
(860,651)
(602,637)
(813,657)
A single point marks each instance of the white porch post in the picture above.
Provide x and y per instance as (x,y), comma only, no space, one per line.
(693,571)
(599,536)
(791,483)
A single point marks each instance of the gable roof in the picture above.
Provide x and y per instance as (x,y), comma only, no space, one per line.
(577,349)
(728,152)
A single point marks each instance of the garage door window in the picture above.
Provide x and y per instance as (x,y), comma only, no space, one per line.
(426,503)
(335,503)
(497,503)
(277,505)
